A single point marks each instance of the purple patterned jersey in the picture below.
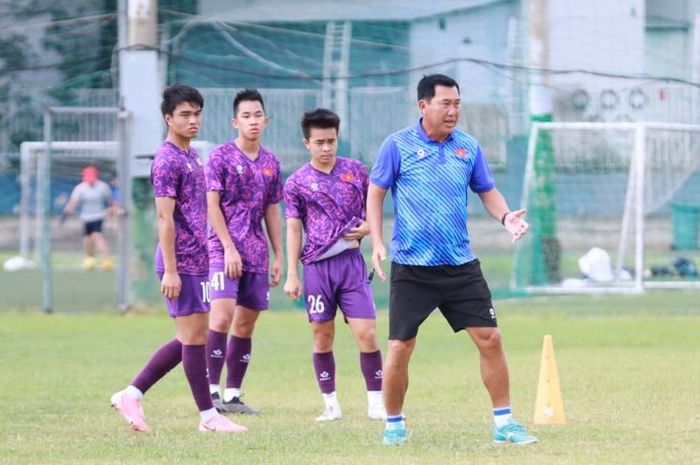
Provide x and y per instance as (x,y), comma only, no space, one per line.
(179,174)
(246,187)
(327,204)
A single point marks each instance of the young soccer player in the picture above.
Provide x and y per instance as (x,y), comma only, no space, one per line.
(181,263)
(428,167)
(244,186)
(327,198)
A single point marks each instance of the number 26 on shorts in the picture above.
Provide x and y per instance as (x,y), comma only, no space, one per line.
(315,304)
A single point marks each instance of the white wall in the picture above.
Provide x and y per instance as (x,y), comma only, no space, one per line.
(601,35)
(475,33)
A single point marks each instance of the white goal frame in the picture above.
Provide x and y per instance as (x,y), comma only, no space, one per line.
(633,212)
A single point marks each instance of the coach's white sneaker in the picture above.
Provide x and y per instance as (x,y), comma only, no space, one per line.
(331,413)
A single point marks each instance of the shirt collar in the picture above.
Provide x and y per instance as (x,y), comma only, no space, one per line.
(425,138)
(179,149)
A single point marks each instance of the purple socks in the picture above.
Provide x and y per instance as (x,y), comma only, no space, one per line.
(371,366)
(167,357)
(195,364)
(216,355)
(237,358)
(324,366)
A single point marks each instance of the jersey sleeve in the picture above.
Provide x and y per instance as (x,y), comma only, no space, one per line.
(276,188)
(293,202)
(386,166)
(214,170)
(164,178)
(481,179)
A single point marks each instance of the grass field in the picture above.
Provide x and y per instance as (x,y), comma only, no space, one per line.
(629,368)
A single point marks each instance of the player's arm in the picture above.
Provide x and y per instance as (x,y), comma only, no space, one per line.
(233,265)
(273,224)
(496,205)
(170,284)
(362,229)
(375,204)
(293,286)
(72,203)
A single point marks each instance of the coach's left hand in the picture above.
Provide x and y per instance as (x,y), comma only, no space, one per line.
(516,225)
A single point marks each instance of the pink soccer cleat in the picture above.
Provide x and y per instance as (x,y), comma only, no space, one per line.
(221,424)
(130,409)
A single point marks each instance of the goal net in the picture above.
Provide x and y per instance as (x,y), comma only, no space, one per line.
(613,207)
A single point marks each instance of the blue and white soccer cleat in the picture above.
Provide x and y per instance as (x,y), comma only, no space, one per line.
(512,433)
(395,437)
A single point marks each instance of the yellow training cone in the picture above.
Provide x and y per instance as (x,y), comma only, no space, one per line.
(549,408)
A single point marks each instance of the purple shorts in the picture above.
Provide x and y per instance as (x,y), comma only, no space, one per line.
(252,290)
(193,298)
(338,281)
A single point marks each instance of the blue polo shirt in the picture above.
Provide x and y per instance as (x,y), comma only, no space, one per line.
(428,182)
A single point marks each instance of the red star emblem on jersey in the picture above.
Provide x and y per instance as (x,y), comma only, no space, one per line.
(268,171)
(461,153)
(347,177)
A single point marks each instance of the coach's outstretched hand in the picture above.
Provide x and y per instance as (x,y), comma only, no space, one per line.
(516,225)
(378,256)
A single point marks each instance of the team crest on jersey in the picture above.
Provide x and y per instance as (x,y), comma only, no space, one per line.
(314,187)
(267,171)
(347,177)
(239,169)
(461,152)
(421,153)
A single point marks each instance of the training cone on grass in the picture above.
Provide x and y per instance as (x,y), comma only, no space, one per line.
(549,407)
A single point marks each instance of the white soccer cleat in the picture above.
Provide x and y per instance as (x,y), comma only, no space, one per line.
(331,413)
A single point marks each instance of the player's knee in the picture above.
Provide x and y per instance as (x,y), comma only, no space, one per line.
(367,339)
(243,328)
(490,340)
(322,341)
(400,351)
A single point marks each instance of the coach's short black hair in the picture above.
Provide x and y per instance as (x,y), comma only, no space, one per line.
(176,94)
(251,95)
(319,118)
(426,86)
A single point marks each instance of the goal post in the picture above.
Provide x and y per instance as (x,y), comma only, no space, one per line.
(48,168)
(611,187)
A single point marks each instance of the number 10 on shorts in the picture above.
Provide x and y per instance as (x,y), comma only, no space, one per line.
(315,304)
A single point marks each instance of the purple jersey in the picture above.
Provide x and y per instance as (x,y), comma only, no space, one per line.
(179,174)
(246,187)
(327,204)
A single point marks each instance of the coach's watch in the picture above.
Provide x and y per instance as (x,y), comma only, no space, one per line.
(503,218)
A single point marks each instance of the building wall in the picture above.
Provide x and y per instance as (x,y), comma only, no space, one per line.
(600,35)
(480,33)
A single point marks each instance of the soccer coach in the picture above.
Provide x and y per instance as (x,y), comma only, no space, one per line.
(428,167)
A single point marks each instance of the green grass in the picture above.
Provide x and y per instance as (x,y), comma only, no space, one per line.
(77,290)
(629,369)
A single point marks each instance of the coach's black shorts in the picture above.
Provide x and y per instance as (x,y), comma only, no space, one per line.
(460,292)
(93,227)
